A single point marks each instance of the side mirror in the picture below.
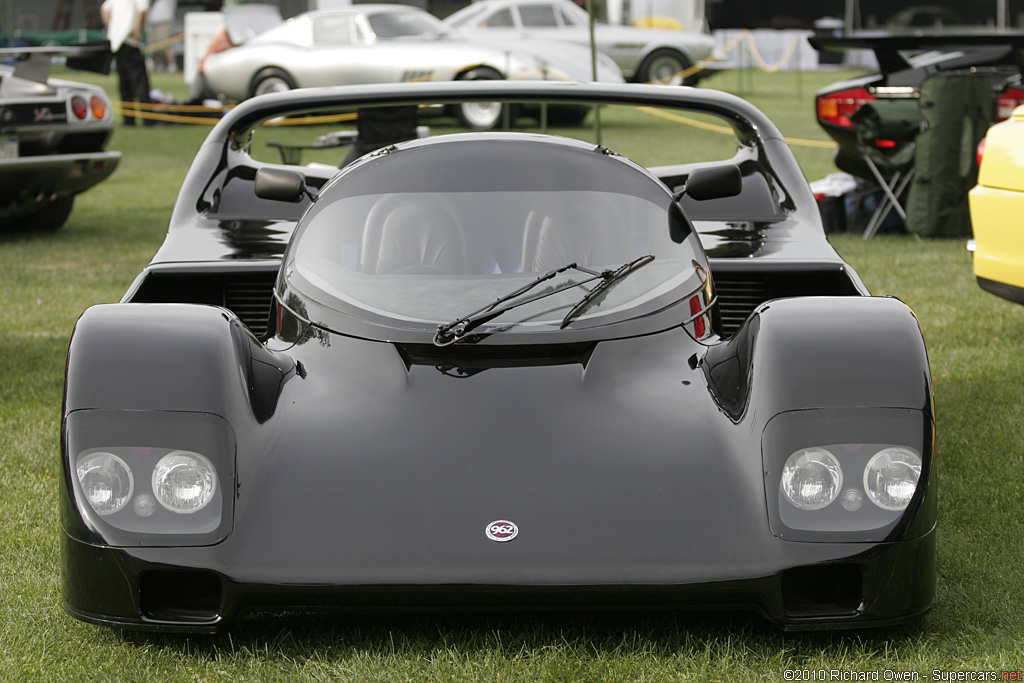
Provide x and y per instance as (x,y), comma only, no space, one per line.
(713,182)
(280,185)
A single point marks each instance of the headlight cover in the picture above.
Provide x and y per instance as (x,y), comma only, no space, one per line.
(148,478)
(855,475)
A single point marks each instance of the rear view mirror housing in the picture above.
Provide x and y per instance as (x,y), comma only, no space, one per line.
(713,182)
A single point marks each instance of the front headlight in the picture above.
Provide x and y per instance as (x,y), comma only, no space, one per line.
(811,478)
(891,477)
(106,482)
(184,482)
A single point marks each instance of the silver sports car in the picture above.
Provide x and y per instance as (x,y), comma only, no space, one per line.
(53,135)
(644,55)
(388,44)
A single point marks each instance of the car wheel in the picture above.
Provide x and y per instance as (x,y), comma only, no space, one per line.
(479,115)
(51,217)
(665,66)
(271,80)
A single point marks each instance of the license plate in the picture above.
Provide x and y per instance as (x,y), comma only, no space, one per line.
(8,146)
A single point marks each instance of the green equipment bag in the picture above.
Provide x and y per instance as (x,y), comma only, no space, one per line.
(956,112)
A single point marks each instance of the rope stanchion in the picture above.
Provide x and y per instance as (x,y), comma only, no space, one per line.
(723,51)
(759,61)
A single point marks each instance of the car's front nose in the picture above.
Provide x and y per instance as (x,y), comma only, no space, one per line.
(380,480)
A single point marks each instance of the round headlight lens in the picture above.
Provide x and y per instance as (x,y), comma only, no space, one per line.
(890,478)
(106,481)
(184,482)
(811,478)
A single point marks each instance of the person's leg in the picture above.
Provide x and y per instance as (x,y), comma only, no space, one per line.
(124,83)
(136,89)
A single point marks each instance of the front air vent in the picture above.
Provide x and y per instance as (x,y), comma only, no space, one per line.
(248,294)
(738,295)
(741,291)
(250,298)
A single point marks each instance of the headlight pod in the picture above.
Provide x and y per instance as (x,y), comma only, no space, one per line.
(811,478)
(824,481)
(106,482)
(130,489)
(184,482)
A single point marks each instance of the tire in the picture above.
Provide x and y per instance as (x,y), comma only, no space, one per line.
(271,80)
(479,115)
(51,217)
(664,66)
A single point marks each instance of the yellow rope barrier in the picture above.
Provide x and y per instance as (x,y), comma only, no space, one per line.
(725,130)
(163,44)
(759,60)
(139,112)
(145,111)
(311,120)
(686,121)
(158,106)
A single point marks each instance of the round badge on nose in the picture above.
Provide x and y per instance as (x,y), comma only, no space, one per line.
(501,531)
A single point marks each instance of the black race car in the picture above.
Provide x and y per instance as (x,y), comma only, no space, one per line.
(497,370)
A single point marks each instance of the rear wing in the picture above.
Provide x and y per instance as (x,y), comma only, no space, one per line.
(897,52)
(33,63)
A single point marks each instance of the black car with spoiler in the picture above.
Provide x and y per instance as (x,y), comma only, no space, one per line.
(888,131)
(499,370)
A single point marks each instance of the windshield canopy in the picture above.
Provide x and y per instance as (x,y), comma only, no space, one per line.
(436,229)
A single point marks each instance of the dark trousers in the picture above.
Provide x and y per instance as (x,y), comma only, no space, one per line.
(133,79)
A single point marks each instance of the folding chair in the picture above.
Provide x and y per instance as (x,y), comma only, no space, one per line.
(886,130)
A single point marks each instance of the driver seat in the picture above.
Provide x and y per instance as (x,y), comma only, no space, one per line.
(550,240)
(413,236)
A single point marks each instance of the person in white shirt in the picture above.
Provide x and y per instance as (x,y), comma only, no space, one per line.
(125,20)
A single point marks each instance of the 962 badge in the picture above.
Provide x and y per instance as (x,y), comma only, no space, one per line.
(501,531)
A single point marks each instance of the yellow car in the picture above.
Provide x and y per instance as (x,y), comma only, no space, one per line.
(997,204)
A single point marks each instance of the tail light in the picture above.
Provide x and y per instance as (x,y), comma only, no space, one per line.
(836,108)
(1007,101)
(79,108)
(981,150)
(99,108)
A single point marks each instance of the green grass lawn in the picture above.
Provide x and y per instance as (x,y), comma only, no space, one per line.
(975,343)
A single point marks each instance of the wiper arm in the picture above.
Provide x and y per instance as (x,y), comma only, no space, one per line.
(609,279)
(456,330)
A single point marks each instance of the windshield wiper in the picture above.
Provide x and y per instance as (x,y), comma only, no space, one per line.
(456,330)
(609,279)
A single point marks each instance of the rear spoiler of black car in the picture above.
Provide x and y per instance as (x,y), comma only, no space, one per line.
(894,51)
(33,63)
